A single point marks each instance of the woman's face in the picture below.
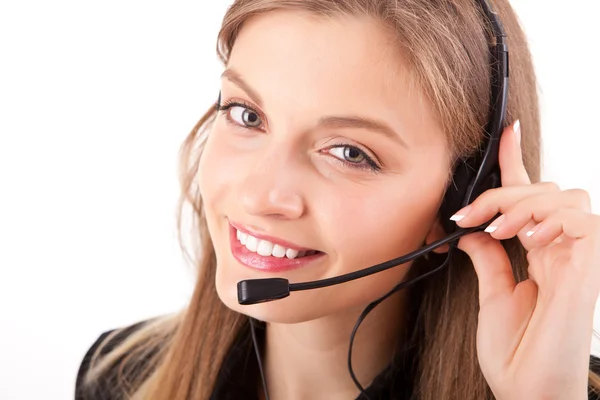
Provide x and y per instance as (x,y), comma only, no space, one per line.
(331,150)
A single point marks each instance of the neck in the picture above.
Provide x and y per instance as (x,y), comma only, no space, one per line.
(309,360)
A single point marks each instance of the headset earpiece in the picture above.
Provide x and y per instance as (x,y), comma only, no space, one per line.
(466,185)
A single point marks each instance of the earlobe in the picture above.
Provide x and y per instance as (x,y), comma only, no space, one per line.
(436,233)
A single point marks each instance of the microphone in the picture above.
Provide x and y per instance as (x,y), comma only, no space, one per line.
(253,291)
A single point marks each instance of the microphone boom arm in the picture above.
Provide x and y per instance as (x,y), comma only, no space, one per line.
(252,291)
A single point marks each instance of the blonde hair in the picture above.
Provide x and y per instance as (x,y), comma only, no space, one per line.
(446,46)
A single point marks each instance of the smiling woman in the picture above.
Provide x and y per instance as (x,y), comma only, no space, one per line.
(330,149)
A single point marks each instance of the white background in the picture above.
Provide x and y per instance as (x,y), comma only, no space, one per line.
(95,99)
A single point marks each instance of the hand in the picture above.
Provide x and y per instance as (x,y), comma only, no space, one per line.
(534,337)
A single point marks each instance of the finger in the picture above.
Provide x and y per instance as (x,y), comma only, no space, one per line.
(492,265)
(498,200)
(536,208)
(527,244)
(510,157)
(573,223)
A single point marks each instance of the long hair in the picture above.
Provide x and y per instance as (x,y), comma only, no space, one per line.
(446,46)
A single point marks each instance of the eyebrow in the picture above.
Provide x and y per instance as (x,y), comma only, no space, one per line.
(362,123)
(236,79)
(328,121)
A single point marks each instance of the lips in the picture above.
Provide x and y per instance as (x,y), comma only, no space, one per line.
(260,236)
(283,255)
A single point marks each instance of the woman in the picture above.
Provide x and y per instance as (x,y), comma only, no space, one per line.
(285,180)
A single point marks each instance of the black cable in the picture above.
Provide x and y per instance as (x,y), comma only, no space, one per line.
(451,240)
(372,305)
(260,366)
(252,291)
(363,315)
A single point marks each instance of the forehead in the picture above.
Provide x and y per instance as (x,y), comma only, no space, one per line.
(296,60)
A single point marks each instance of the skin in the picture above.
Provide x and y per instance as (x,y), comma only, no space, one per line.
(284,178)
(534,337)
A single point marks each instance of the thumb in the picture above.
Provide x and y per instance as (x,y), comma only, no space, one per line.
(491,263)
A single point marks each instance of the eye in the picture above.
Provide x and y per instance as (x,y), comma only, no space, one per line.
(353,157)
(244,116)
(241,115)
(348,153)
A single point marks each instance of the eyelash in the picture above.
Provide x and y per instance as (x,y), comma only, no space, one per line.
(371,165)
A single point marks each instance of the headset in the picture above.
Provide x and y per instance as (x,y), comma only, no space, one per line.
(471,177)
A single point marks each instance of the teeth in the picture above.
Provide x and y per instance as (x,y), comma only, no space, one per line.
(252,243)
(278,251)
(291,253)
(266,248)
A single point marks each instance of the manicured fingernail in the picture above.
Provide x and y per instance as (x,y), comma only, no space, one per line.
(460,214)
(517,129)
(494,225)
(533,230)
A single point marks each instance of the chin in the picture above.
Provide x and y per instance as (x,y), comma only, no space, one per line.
(299,306)
(296,308)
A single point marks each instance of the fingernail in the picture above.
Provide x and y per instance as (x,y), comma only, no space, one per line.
(517,129)
(494,225)
(533,230)
(460,214)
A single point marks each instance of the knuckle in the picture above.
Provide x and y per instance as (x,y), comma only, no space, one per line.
(483,201)
(550,186)
(583,198)
(558,214)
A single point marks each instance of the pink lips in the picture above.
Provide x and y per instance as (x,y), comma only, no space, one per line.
(268,263)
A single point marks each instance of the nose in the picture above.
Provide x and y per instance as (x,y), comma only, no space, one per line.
(272,188)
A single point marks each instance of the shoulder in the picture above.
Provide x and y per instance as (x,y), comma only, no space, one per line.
(103,345)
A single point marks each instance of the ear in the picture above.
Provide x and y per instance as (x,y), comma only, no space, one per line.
(437,233)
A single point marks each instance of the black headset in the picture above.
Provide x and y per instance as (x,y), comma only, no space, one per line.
(471,177)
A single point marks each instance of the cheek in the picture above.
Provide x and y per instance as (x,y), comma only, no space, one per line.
(216,177)
(216,170)
(365,231)
(369,230)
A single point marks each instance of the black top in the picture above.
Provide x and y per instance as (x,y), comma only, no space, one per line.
(238,376)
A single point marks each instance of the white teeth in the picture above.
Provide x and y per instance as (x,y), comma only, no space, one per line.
(291,253)
(252,243)
(278,251)
(264,248)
